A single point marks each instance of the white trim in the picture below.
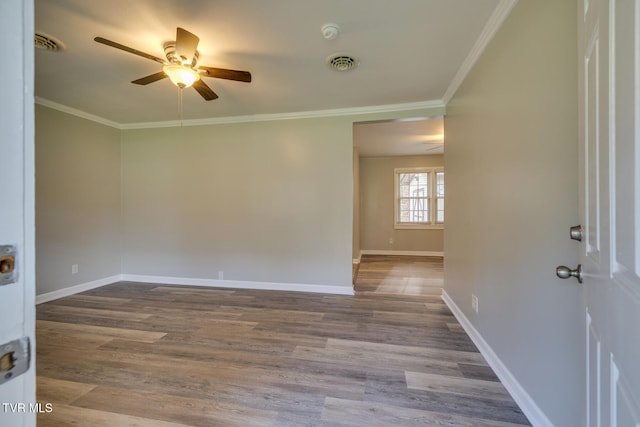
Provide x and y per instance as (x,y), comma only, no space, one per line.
(165,280)
(291,115)
(238,284)
(523,399)
(390,108)
(500,13)
(418,226)
(54,105)
(72,290)
(408,253)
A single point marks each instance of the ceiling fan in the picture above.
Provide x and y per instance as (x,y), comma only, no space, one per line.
(180,65)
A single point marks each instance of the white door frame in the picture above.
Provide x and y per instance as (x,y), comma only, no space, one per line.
(17,204)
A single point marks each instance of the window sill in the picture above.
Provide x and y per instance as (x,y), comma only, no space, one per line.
(418,226)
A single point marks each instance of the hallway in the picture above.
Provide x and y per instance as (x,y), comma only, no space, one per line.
(399,275)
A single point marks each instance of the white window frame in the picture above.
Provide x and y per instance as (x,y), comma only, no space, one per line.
(432,198)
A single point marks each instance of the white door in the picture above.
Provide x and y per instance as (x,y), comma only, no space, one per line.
(609,47)
(17,300)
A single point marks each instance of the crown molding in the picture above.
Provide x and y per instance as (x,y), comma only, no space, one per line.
(390,108)
(500,13)
(74,112)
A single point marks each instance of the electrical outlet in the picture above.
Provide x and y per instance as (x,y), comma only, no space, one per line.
(474,303)
(391,240)
(74,269)
(220,275)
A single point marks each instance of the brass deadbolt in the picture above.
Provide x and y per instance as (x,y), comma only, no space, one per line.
(7,264)
(6,362)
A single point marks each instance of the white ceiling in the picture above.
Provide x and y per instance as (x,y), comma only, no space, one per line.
(409,52)
(399,137)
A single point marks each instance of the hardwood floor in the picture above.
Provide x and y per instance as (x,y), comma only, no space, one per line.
(399,275)
(132,354)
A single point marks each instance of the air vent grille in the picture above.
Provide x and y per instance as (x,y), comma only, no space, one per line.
(47,42)
(342,62)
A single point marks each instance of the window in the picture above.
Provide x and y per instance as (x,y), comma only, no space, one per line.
(419,198)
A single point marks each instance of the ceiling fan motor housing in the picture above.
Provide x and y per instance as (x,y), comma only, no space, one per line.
(173,58)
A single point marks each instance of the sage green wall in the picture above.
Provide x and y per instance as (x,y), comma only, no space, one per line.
(77,200)
(377,206)
(512,194)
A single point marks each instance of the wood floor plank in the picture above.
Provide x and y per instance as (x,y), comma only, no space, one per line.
(414,319)
(453,385)
(131,334)
(192,290)
(50,338)
(177,315)
(455,327)
(423,353)
(66,415)
(54,391)
(87,298)
(368,414)
(93,312)
(478,371)
(176,409)
(295,316)
(397,362)
(217,328)
(390,388)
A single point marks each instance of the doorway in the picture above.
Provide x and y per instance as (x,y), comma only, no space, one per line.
(383,150)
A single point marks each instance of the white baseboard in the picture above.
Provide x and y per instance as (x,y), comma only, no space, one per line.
(71,290)
(234,284)
(406,253)
(519,394)
(239,284)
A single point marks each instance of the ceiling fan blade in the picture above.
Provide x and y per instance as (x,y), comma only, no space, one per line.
(150,79)
(223,73)
(204,90)
(186,45)
(128,49)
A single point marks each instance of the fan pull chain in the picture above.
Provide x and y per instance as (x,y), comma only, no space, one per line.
(180,105)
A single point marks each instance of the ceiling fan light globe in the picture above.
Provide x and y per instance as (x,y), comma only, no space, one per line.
(181,76)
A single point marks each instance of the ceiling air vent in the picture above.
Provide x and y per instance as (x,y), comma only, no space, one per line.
(47,42)
(342,62)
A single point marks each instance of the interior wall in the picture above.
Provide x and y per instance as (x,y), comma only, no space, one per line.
(77,200)
(264,201)
(355,246)
(261,201)
(512,194)
(377,207)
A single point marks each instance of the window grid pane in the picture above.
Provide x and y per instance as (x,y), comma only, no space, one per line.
(440,197)
(414,200)
(440,211)
(440,184)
